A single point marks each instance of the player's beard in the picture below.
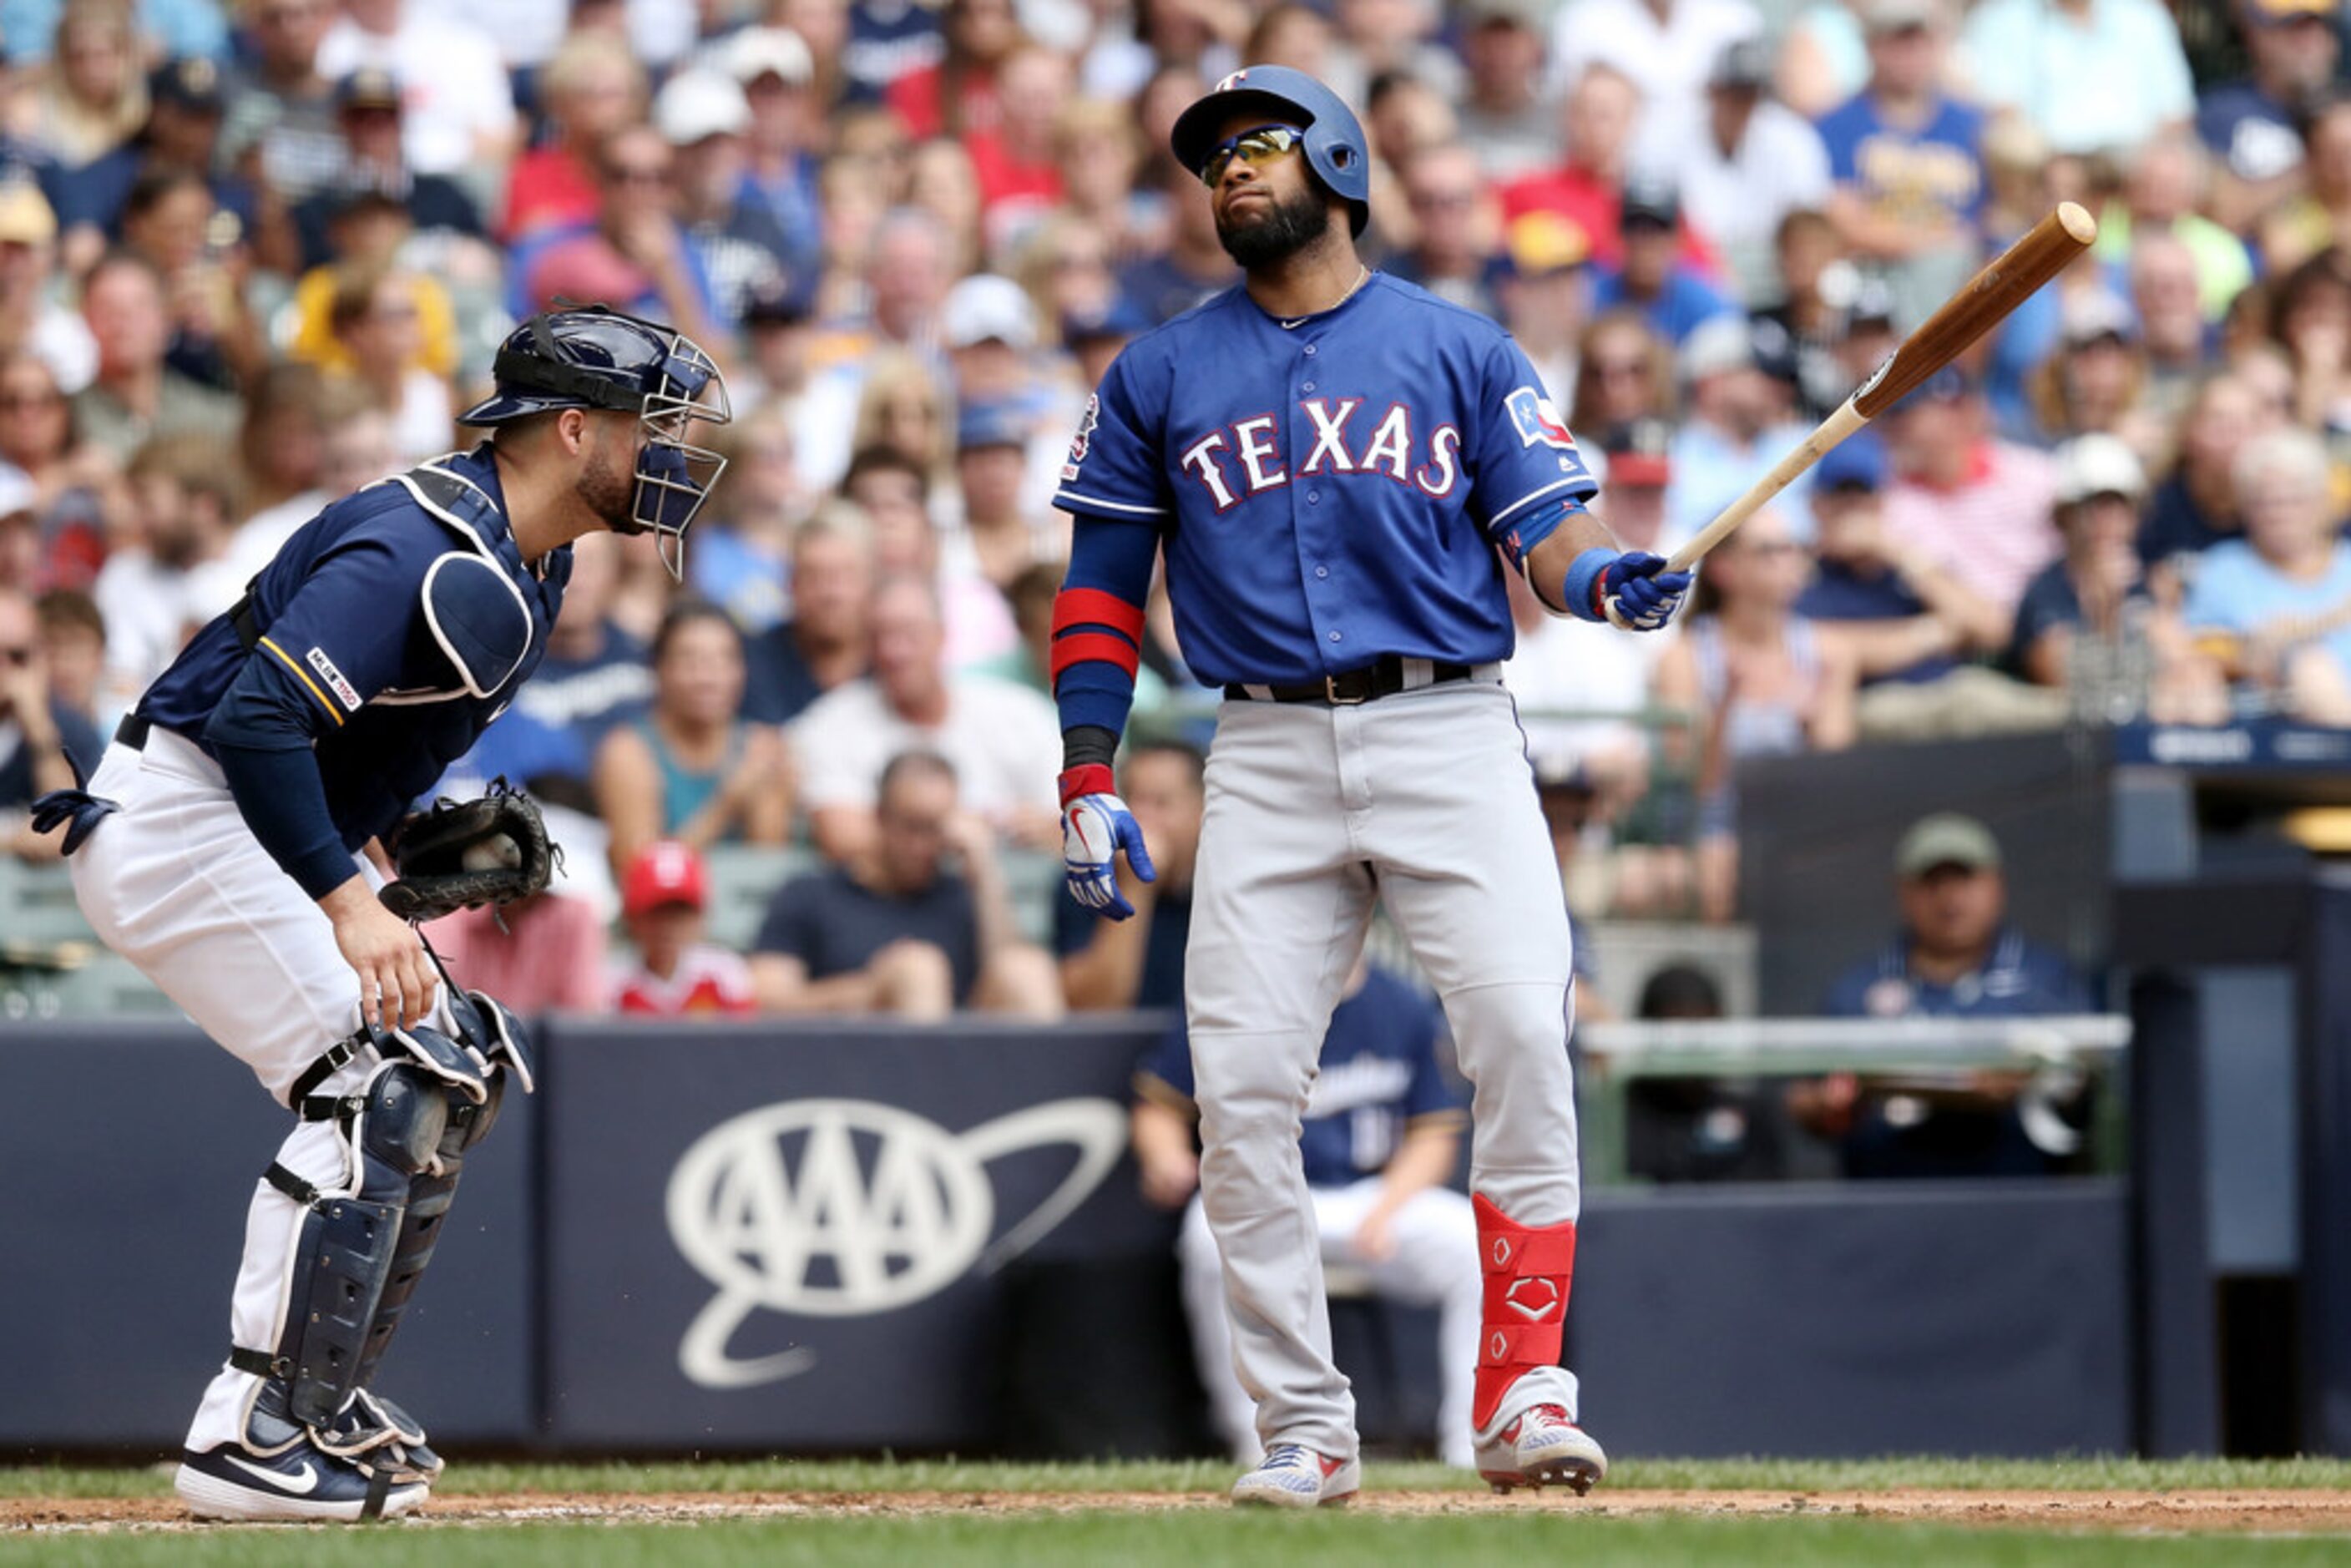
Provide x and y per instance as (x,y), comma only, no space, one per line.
(1280,230)
(608,492)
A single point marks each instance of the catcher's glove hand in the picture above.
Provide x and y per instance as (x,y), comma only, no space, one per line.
(465,853)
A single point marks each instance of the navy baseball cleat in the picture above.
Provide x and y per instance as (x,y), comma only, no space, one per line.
(297,1482)
(1542,1448)
(1293,1475)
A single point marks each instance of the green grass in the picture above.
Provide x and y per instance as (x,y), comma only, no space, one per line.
(464,1478)
(1197,1539)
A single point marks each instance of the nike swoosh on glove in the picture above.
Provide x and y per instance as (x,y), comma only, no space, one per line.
(1637,594)
(1094,828)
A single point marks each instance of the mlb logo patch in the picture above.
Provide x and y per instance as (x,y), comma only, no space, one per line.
(345,693)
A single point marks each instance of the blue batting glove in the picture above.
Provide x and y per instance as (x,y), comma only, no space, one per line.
(1637,594)
(1094,829)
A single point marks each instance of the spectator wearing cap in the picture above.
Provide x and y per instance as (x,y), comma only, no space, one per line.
(997,535)
(1740,424)
(1804,249)
(1754,162)
(2253,123)
(31,320)
(1095,336)
(1909,182)
(2029,56)
(1955,955)
(1665,47)
(1596,120)
(1507,112)
(1545,296)
(2094,379)
(826,642)
(37,731)
(2195,507)
(738,246)
(458,115)
(1976,505)
(1455,228)
(590,88)
(2274,606)
(894,931)
(1907,619)
(673,972)
(1654,278)
(369,112)
(637,255)
(777,72)
(280,124)
(2084,593)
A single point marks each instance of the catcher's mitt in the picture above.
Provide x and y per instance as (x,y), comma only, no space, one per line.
(465,853)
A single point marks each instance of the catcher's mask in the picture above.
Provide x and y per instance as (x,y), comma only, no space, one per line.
(592,356)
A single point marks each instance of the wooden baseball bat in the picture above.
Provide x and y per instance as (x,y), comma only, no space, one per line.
(1990,294)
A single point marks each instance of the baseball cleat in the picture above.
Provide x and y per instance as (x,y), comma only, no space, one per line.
(1293,1475)
(1542,1448)
(297,1483)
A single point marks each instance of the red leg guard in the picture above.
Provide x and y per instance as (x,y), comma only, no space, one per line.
(1528,1270)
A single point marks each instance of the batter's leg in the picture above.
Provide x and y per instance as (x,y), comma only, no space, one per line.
(1280,905)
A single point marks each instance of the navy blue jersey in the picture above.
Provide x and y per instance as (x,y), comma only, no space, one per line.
(388,632)
(1379,1076)
(1330,489)
(2020,979)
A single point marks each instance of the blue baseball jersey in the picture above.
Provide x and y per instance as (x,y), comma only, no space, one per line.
(381,640)
(1329,489)
(1379,1076)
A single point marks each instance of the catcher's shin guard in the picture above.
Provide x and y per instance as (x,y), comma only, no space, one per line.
(1528,1270)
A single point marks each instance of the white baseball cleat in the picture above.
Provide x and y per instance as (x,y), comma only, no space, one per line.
(1542,1448)
(1293,1475)
(297,1482)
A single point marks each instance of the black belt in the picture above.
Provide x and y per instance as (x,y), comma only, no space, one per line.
(132,732)
(1381,679)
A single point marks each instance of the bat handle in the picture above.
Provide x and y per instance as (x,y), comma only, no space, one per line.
(1847,419)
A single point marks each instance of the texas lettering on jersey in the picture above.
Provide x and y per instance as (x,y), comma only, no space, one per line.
(1246,456)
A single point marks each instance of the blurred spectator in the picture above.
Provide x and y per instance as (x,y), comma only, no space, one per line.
(186,103)
(1139,962)
(674,972)
(1003,742)
(1507,114)
(637,254)
(135,396)
(368,114)
(1664,48)
(777,76)
(1453,228)
(591,88)
(1654,278)
(1403,117)
(170,218)
(280,125)
(1977,505)
(738,246)
(2196,508)
(2093,382)
(176,27)
(1379,1140)
(77,497)
(153,589)
(594,677)
(1752,163)
(959,95)
(892,930)
(1016,162)
(1596,123)
(1382,39)
(1100,155)
(826,641)
(2027,56)
(282,445)
(1697,1129)
(2277,602)
(377,320)
(2253,123)
(1810,324)
(1545,300)
(31,321)
(1955,955)
(989,328)
(907,270)
(690,769)
(2312,322)
(2166,182)
(91,98)
(1624,373)
(457,106)
(1762,680)
(1740,425)
(537,955)
(999,536)
(893,494)
(1902,153)
(73,642)
(742,542)
(2176,342)
(1193,267)
(37,731)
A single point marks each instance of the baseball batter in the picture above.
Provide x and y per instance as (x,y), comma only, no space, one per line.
(220,847)
(1338,468)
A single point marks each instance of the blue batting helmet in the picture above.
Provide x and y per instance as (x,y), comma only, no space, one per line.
(1335,149)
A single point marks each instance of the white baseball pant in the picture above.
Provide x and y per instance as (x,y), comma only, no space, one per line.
(177,884)
(1424,800)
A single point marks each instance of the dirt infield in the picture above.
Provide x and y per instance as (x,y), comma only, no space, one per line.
(2224,1510)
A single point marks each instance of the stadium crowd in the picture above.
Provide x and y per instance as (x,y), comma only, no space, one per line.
(253,256)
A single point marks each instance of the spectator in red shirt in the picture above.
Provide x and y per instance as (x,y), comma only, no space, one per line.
(1588,189)
(592,86)
(675,974)
(1977,506)
(1017,160)
(960,94)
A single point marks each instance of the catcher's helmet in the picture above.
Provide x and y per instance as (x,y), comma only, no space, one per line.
(592,356)
(1335,149)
